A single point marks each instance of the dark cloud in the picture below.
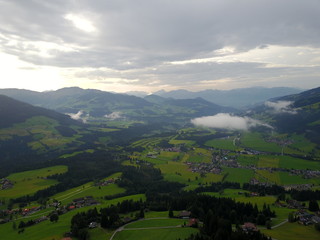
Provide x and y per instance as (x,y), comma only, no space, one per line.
(145,35)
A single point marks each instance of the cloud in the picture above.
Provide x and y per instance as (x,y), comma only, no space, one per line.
(281,106)
(113,116)
(227,121)
(80,116)
(254,43)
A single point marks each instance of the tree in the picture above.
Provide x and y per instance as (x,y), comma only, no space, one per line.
(54,217)
(268,224)
(104,220)
(141,215)
(313,206)
(170,213)
(317,226)
(291,217)
(22,224)
(261,219)
(83,234)
(14,225)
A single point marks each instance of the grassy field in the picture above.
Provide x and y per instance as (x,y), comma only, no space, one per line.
(42,129)
(180,142)
(179,172)
(239,175)
(47,230)
(297,163)
(29,182)
(293,231)
(226,143)
(77,153)
(147,223)
(246,160)
(255,141)
(149,234)
(89,189)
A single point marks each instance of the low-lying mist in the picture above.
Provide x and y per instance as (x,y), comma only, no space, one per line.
(80,116)
(227,121)
(281,107)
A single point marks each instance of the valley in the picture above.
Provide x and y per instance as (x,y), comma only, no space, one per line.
(155,172)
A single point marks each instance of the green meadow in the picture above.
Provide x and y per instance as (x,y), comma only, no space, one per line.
(147,223)
(77,153)
(239,175)
(180,172)
(47,230)
(293,231)
(89,189)
(226,143)
(149,234)
(255,141)
(29,182)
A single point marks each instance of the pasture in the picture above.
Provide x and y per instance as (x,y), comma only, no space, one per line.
(255,141)
(47,230)
(149,234)
(165,222)
(293,231)
(239,175)
(224,143)
(29,182)
(89,189)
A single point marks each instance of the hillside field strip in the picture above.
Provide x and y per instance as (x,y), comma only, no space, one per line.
(29,182)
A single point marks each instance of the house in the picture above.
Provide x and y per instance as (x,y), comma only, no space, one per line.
(305,218)
(193,222)
(294,204)
(315,219)
(249,227)
(93,225)
(184,214)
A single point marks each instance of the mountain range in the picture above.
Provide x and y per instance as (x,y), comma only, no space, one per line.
(236,98)
(99,104)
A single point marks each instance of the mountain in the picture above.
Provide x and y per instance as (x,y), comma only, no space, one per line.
(72,100)
(28,132)
(95,104)
(237,98)
(197,106)
(296,113)
(13,112)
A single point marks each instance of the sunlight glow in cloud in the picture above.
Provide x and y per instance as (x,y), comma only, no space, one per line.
(80,22)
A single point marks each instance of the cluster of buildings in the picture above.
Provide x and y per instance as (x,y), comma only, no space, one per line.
(6,184)
(105,182)
(81,202)
(305,218)
(204,168)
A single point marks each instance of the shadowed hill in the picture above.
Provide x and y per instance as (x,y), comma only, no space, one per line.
(13,111)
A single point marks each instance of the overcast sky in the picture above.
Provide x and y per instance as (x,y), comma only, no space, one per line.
(148,45)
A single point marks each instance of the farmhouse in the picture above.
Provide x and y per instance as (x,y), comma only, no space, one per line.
(184,214)
(305,218)
(249,227)
(6,184)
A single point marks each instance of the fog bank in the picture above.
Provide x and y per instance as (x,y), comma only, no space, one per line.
(227,121)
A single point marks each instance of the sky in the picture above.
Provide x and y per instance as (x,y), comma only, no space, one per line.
(149,45)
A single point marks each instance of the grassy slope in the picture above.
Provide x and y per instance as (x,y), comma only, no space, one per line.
(29,182)
(48,230)
(149,234)
(293,231)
